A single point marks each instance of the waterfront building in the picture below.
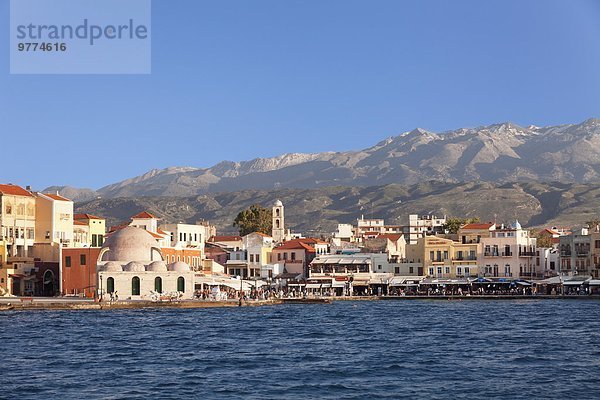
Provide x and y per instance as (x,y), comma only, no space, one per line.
(421,226)
(444,258)
(344,233)
(575,253)
(17,220)
(54,220)
(131,264)
(96,230)
(258,247)
(296,255)
(595,251)
(509,252)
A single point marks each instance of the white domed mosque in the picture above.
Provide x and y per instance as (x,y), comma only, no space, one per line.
(131,264)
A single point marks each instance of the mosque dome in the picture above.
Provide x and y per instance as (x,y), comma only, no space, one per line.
(110,266)
(134,267)
(278,203)
(517,225)
(129,244)
(157,266)
(179,266)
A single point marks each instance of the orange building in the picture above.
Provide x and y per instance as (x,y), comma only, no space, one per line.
(78,271)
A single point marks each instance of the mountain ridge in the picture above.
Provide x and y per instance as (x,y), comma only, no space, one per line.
(503,152)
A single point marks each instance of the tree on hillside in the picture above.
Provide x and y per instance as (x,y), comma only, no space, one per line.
(254,219)
(453,224)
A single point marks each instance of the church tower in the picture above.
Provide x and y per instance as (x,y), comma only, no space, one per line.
(278,222)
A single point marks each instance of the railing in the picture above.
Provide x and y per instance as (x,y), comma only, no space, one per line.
(527,254)
(507,254)
(491,254)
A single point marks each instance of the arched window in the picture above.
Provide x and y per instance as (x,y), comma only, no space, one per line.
(181,284)
(110,285)
(277,212)
(277,223)
(135,286)
(158,284)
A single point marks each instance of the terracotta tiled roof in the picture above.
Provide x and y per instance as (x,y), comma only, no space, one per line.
(394,237)
(144,215)
(311,241)
(56,197)
(76,222)
(14,190)
(478,226)
(85,216)
(156,235)
(296,244)
(160,231)
(225,239)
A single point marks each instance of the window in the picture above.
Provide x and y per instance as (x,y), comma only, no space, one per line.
(8,209)
(293,255)
(181,284)
(447,270)
(458,270)
(397,270)
(67,261)
(94,240)
(430,271)
(439,270)
(110,285)
(597,244)
(410,270)
(158,284)
(251,258)
(100,240)
(278,256)
(431,255)
(82,260)
(467,272)
(257,257)
(135,286)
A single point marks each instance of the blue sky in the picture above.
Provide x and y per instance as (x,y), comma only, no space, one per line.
(235,80)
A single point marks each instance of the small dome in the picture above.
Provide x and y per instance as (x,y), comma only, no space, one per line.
(278,203)
(179,266)
(517,225)
(110,266)
(157,266)
(134,267)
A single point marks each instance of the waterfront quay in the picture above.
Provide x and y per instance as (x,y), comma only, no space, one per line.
(44,303)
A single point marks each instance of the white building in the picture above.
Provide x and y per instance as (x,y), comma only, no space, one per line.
(131,264)
(508,252)
(421,226)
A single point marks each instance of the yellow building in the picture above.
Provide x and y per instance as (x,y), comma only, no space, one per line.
(444,258)
(96,229)
(54,220)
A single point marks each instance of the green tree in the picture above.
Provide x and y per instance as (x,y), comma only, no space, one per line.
(543,241)
(254,219)
(453,224)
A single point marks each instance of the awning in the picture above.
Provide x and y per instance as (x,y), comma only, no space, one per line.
(573,283)
(338,284)
(523,283)
(317,285)
(360,283)
(594,282)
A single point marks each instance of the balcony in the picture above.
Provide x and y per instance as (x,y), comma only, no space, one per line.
(565,254)
(491,254)
(527,254)
(507,254)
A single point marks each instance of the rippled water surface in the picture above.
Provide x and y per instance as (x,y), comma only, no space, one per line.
(351,350)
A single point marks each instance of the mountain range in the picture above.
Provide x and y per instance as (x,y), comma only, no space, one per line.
(497,153)
(318,211)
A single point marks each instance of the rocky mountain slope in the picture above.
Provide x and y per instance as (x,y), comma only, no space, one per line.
(496,153)
(318,211)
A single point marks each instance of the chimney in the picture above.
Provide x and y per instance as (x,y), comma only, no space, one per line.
(28,187)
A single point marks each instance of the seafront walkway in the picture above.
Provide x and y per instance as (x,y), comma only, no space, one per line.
(74,303)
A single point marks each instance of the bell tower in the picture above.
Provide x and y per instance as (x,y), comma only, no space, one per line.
(278,222)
